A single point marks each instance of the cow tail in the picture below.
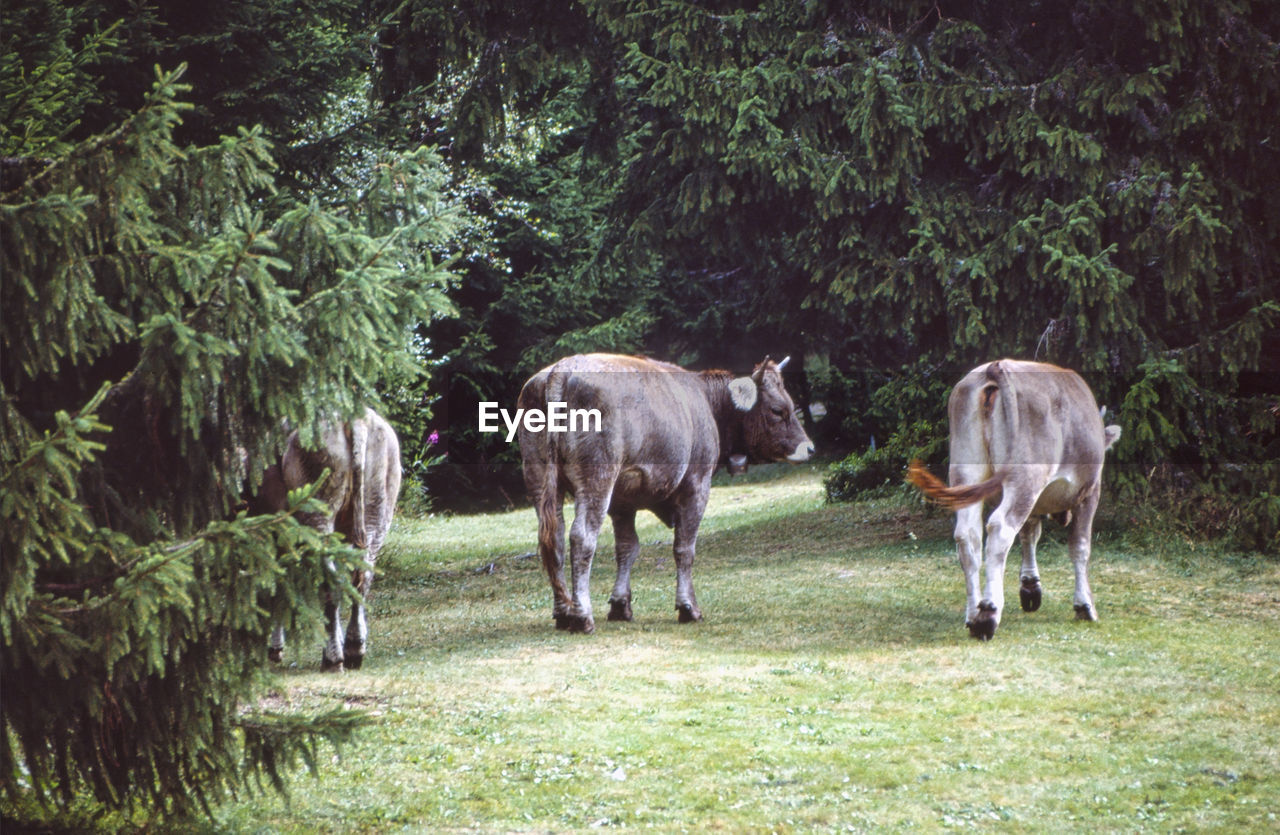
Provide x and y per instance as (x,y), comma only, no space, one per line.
(549,499)
(999,404)
(359,434)
(550,534)
(548,513)
(951,498)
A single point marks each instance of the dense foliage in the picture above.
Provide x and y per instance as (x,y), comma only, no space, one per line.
(168,309)
(899,191)
(878,470)
(889,192)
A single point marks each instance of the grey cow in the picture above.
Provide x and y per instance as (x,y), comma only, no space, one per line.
(363,457)
(1032,434)
(663,432)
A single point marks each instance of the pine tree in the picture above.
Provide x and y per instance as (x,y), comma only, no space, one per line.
(166,312)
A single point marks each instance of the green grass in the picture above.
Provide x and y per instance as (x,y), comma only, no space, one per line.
(832,686)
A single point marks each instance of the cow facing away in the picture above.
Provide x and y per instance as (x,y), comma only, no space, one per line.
(663,432)
(1031,433)
(363,460)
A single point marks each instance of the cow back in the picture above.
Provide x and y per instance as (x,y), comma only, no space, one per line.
(363,461)
(656,427)
(1031,421)
(301,466)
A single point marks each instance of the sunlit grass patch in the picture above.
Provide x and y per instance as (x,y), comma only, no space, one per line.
(832,686)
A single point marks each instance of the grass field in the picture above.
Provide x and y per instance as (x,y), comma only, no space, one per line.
(831,687)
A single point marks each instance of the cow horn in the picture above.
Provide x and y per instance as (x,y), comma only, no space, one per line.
(784,362)
(758,374)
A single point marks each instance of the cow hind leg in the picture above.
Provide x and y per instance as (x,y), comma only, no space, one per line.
(626,548)
(968,536)
(688,517)
(551,550)
(1002,529)
(275,647)
(380,507)
(354,647)
(589,512)
(1080,546)
(331,658)
(1029,591)
(377,524)
(357,640)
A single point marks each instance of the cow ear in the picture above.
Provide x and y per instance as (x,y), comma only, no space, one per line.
(742,390)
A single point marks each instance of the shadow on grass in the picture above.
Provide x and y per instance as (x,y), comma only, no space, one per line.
(863,576)
(811,581)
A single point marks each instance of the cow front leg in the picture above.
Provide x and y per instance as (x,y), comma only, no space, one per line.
(969,552)
(1029,590)
(1080,546)
(587,517)
(357,639)
(626,548)
(275,647)
(688,517)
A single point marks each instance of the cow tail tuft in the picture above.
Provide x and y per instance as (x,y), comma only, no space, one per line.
(951,498)
(925,481)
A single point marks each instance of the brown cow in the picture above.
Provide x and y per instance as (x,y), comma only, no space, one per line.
(663,432)
(1033,434)
(363,460)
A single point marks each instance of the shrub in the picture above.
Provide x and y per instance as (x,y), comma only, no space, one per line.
(879,470)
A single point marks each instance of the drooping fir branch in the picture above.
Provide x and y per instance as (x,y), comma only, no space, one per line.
(40,103)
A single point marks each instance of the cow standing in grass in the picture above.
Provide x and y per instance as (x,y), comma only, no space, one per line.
(1033,434)
(663,432)
(363,460)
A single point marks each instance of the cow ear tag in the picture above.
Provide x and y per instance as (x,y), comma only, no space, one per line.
(742,390)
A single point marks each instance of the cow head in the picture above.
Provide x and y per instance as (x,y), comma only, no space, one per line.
(272,495)
(770,430)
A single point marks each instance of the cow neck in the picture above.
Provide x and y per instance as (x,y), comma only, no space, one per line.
(728,417)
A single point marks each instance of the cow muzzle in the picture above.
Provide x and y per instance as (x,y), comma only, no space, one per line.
(803,450)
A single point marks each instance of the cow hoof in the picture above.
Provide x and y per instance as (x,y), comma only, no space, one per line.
(689,613)
(353,662)
(327,666)
(562,621)
(620,610)
(1085,612)
(983,627)
(1030,594)
(584,624)
(275,655)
